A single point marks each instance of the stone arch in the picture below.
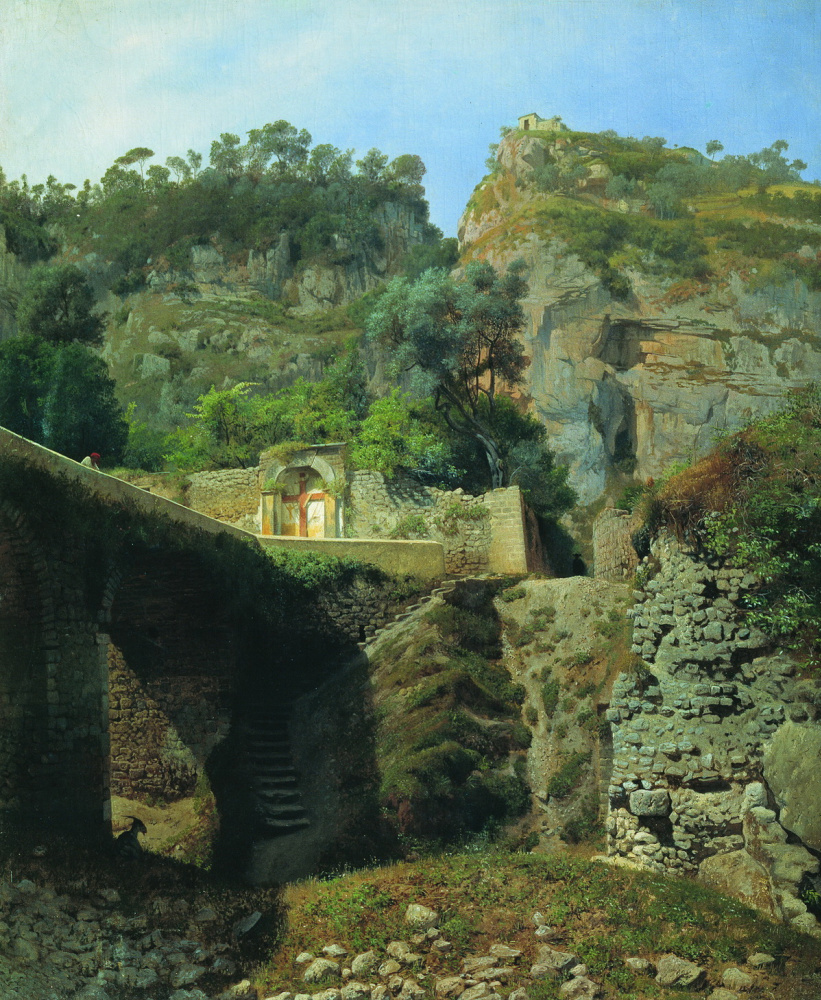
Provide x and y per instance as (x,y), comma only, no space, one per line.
(319,474)
(171,664)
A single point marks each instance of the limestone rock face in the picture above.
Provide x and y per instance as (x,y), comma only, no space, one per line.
(641,383)
(791,768)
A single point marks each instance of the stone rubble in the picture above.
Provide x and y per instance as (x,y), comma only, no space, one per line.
(69,948)
(386,975)
(54,947)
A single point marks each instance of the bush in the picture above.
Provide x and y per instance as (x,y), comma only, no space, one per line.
(569,775)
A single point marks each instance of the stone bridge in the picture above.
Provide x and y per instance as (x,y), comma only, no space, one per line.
(135,636)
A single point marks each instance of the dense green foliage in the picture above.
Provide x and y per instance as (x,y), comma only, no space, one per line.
(248,194)
(602,240)
(57,305)
(757,500)
(60,395)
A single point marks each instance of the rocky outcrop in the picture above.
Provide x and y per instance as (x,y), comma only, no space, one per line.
(310,286)
(708,739)
(633,386)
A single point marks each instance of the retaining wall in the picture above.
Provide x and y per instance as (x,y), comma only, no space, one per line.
(614,557)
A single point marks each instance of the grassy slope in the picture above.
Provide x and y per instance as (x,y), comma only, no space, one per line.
(208,340)
(712,219)
(601,914)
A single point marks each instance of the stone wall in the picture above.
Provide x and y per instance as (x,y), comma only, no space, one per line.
(162,729)
(230,495)
(53,742)
(614,557)
(489,533)
(696,747)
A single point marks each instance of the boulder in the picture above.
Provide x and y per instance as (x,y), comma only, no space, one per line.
(735,979)
(321,970)
(675,971)
(450,986)
(364,964)
(421,917)
(791,770)
(654,802)
(579,988)
(559,960)
(739,875)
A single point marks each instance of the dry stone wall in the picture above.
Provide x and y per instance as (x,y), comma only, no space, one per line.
(614,557)
(695,729)
(230,495)
(479,534)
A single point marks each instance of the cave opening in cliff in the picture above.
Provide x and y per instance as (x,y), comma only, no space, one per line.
(621,345)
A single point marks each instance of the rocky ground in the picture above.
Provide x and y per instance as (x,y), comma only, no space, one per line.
(74,923)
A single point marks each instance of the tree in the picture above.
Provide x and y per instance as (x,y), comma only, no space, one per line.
(227,154)
(194,161)
(372,165)
(182,171)
(713,147)
(458,341)
(158,177)
(57,304)
(80,411)
(26,364)
(393,437)
(283,142)
(139,155)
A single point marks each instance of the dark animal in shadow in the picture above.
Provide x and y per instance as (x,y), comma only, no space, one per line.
(128,843)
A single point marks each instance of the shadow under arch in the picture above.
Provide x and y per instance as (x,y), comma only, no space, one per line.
(174,654)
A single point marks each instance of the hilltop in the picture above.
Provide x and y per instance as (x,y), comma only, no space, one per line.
(671,297)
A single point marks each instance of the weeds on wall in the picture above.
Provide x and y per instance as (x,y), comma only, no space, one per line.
(756,501)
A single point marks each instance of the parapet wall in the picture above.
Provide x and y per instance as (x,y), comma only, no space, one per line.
(488,533)
(491,533)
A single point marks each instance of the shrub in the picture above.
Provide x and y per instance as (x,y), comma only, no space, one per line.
(568,776)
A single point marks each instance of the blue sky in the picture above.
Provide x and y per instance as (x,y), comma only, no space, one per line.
(82,81)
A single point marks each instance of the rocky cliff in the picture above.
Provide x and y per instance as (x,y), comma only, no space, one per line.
(247,316)
(633,368)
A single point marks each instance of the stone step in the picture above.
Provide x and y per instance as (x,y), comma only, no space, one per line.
(285,825)
(285,796)
(283,780)
(284,810)
(273,776)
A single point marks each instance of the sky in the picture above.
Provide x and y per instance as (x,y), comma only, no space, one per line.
(82,81)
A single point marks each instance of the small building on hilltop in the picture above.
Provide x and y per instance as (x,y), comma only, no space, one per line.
(534,122)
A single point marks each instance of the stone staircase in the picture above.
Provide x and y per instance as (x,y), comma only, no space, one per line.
(278,806)
(372,633)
